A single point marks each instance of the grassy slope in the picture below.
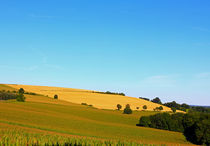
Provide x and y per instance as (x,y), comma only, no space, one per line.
(43,114)
(102,101)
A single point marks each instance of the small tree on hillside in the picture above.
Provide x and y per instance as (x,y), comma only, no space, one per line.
(144,107)
(173,109)
(21,91)
(55,96)
(119,106)
(160,108)
(20,98)
(127,109)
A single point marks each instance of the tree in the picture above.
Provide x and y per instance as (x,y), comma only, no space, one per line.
(20,98)
(160,108)
(119,106)
(173,109)
(21,91)
(144,107)
(55,96)
(127,109)
(157,100)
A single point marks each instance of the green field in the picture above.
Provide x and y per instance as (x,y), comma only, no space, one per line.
(46,118)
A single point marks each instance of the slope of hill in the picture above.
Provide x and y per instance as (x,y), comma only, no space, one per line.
(101,101)
(41,114)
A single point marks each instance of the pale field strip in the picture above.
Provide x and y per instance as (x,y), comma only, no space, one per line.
(101,101)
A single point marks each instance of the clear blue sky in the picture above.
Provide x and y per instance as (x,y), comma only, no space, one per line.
(143,48)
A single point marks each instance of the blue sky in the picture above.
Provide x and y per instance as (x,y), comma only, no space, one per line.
(143,48)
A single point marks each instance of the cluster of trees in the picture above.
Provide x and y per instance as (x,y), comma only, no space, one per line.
(195,126)
(200,109)
(160,108)
(114,93)
(13,95)
(127,109)
(6,95)
(177,106)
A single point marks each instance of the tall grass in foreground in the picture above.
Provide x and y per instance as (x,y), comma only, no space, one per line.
(22,138)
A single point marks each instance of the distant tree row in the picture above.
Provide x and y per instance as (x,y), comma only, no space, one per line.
(18,96)
(195,126)
(108,92)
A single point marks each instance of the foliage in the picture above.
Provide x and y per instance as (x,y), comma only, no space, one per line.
(160,108)
(145,107)
(200,109)
(177,106)
(144,98)
(55,96)
(196,127)
(20,98)
(127,109)
(119,106)
(84,104)
(173,109)
(21,91)
(157,100)
(108,92)
(6,96)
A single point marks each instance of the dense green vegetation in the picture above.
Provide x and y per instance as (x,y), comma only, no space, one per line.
(195,126)
(7,95)
(11,95)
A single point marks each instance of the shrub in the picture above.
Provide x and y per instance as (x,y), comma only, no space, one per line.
(20,98)
(160,108)
(145,107)
(55,96)
(119,106)
(173,109)
(84,104)
(137,107)
(127,110)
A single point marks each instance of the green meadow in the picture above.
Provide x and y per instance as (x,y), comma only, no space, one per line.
(42,120)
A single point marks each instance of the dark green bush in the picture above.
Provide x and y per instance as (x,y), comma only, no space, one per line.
(55,96)
(127,110)
(144,107)
(20,98)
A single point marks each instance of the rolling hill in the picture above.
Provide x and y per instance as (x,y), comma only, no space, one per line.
(98,100)
(42,116)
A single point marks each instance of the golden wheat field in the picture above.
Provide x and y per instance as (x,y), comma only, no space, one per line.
(98,100)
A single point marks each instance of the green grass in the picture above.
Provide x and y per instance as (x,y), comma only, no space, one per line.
(63,118)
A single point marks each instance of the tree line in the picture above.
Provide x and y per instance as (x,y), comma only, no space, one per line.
(195,126)
(108,92)
(18,95)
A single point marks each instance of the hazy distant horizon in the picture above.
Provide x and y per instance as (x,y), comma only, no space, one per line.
(141,48)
